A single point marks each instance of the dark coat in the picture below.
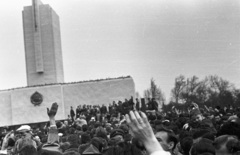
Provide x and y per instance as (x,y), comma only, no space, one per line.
(72,113)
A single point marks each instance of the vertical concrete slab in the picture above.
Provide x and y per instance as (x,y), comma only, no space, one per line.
(5,108)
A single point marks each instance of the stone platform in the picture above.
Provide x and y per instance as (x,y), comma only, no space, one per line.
(18,108)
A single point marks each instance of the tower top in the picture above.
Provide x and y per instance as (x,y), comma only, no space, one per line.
(42,42)
(35,5)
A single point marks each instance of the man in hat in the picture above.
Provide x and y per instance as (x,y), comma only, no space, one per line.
(116,136)
(26,141)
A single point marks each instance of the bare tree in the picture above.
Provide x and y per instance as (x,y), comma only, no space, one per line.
(155,92)
(179,85)
(137,95)
(220,91)
(147,94)
(211,91)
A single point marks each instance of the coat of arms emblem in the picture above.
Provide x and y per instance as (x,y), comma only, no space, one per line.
(36,98)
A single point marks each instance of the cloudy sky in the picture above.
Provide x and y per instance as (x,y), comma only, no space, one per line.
(145,39)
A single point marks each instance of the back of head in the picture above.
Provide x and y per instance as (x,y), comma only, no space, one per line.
(210,136)
(85,138)
(219,141)
(84,127)
(230,128)
(64,146)
(186,144)
(27,147)
(97,124)
(199,133)
(233,145)
(203,146)
(131,149)
(28,150)
(114,150)
(101,132)
(227,144)
(73,140)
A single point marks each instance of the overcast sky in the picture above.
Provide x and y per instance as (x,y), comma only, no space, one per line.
(145,39)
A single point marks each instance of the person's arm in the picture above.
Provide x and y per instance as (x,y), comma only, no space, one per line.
(206,108)
(53,132)
(142,130)
(5,141)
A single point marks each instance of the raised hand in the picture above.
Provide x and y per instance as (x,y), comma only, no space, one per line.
(139,125)
(195,105)
(142,130)
(52,112)
(5,140)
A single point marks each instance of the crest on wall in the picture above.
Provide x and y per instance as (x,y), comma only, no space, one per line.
(36,98)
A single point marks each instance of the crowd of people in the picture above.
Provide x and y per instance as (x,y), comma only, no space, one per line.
(130,128)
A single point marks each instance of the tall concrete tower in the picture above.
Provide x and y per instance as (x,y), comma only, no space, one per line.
(42,41)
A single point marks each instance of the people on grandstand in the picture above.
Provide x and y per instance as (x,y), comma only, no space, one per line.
(72,113)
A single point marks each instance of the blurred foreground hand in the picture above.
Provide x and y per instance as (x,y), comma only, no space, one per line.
(142,130)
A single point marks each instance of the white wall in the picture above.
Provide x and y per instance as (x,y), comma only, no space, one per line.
(16,107)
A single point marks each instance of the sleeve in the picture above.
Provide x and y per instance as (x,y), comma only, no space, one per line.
(15,147)
(161,152)
(53,134)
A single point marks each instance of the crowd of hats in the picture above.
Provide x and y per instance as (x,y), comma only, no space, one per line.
(111,135)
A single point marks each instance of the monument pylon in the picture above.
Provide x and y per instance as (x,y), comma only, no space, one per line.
(42,40)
